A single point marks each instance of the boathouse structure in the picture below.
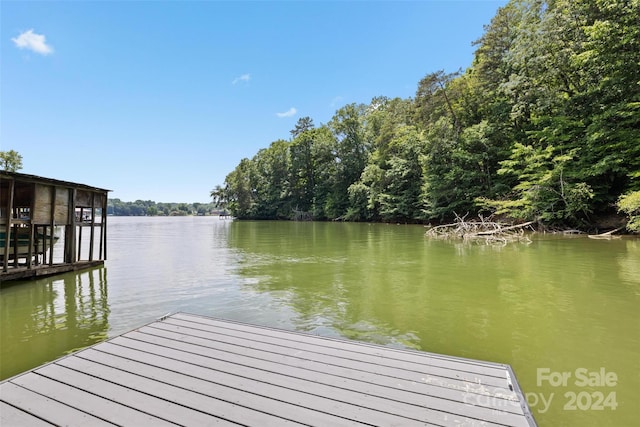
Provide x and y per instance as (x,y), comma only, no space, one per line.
(48,226)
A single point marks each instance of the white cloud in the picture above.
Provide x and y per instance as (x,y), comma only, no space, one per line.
(243,78)
(32,41)
(335,101)
(290,112)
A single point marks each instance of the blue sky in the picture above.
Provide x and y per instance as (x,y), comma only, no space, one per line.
(159,100)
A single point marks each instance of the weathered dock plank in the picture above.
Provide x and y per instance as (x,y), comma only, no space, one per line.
(38,405)
(14,417)
(193,370)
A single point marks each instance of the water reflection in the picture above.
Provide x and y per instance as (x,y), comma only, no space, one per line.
(44,319)
(629,263)
(357,282)
(560,303)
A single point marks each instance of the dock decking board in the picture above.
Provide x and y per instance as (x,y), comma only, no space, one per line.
(193,370)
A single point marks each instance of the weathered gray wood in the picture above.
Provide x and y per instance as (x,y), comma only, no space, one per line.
(46,270)
(43,203)
(311,361)
(79,249)
(413,406)
(7,230)
(115,404)
(230,408)
(374,361)
(395,390)
(430,394)
(13,417)
(52,223)
(286,402)
(43,407)
(357,348)
(93,226)
(192,370)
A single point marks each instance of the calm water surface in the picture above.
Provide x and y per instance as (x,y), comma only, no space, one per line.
(556,305)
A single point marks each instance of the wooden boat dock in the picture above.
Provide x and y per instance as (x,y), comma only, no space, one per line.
(36,212)
(193,371)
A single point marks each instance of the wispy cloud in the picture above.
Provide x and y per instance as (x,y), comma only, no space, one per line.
(34,42)
(290,112)
(335,101)
(243,78)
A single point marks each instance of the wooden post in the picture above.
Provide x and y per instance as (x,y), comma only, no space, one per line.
(44,244)
(52,224)
(32,234)
(15,245)
(70,230)
(103,226)
(7,230)
(35,244)
(80,227)
(100,238)
(31,247)
(93,217)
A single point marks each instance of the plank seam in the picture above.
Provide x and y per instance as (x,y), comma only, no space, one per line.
(103,397)
(257,394)
(343,341)
(61,402)
(340,350)
(24,410)
(279,373)
(197,392)
(315,361)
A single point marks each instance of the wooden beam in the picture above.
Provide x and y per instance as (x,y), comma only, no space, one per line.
(5,261)
(32,232)
(80,234)
(70,229)
(103,228)
(92,233)
(52,224)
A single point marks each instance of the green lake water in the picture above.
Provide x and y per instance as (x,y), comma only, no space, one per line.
(564,312)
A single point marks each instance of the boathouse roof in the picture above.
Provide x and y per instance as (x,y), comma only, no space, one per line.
(39,179)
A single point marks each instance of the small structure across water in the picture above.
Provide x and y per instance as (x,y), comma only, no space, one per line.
(194,371)
(48,226)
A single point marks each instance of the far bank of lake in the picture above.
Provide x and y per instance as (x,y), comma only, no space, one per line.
(563,311)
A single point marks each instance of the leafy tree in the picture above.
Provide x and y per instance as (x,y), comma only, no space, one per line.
(400,199)
(543,125)
(270,180)
(325,172)
(10,161)
(545,190)
(351,155)
(240,194)
(304,124)
(219,196)
(630,204)
(434,101)
(302,181)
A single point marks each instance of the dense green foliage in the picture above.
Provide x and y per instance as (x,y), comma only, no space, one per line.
(150,208)
(630,204)
(10,161)
(543,125)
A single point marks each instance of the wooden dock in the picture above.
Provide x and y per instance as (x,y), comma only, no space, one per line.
(26,273)
(194,371)
(42,222)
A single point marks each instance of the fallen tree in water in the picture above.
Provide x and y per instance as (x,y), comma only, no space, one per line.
(483,230)
(607,235)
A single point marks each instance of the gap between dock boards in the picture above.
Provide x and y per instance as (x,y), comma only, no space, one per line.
(187,369)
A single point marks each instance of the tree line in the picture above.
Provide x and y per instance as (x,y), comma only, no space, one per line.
(150,208)
(542,126)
